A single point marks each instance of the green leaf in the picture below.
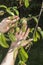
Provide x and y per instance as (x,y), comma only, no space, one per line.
(1,12)
(40,31)
(23,21)
(15,7)
(23,28)
(12,37)
(9,11)
(21,63)
(26,2)
(42,34)
(16,11)
(35,37)
(36,20)
(38,35)
(17,29)
(3,42)
(3,6)
(23,55)
(31,30)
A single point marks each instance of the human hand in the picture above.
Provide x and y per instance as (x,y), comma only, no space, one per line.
(6,22)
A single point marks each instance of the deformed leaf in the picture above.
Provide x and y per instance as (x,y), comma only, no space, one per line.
(15,7)
(23,20)
(17,29)
(31,30)
(12,37)
(40,31)
(3,42)
(41,34)
(35,39)
(21,63)
(36,20)
(26,2)
(36,36)
(23,55)
(9,11)
(3,6)
(23,28)
(1,12)
(16,11)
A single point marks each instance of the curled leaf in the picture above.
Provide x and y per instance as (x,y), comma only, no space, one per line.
(36,36)
(26,2)
(3,42)
(15,10)
(23,55)
(3,6)
(36,20)
(21,63)
(40,31)
(12,37)
(9,11)
(17,29)
(1,12)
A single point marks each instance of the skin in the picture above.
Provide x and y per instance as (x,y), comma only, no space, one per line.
(10,59)
(21,37)
(4,27)
(5,23)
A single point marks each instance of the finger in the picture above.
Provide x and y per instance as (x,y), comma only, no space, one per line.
(26,34)
(4,29)
(24,42)
(20,32)
(13,19)
(16,34)
(23,33)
